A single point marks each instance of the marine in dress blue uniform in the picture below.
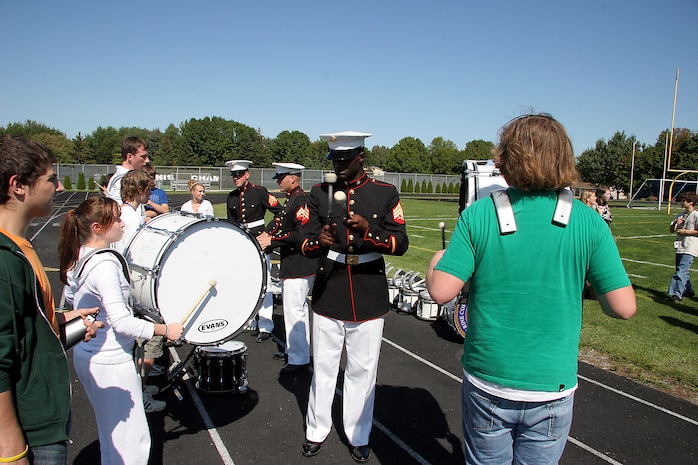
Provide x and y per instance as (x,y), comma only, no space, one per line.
(247,205)
(297,272)
(350,294)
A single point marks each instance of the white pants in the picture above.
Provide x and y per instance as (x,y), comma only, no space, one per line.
(294,292)
(116,395)
(266,311)
(363,343)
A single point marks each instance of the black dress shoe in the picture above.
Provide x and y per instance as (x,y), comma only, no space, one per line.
(311,448)
(290,368)
(280,356)
(361,454)
(263,337)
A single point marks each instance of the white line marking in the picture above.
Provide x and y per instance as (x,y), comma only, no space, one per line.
(212,431)
(636,275)
(642,401)
(424,361)
(569,438)
(592,451)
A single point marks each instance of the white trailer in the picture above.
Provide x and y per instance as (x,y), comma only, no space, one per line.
(478,180)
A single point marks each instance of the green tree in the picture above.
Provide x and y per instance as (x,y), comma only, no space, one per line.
(292,147)
(476,150)
(81,153)
(377,155)
(91,184)
(409,155)
(438,188)
(67,184)
(403,185)
(410,186)
(81,181)
(430,188)
(104,144)
(444,155)
(167,153)
(685,153)
(61,146)
(609,162)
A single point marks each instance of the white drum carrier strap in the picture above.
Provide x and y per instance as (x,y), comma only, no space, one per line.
(83,262)
(505,213)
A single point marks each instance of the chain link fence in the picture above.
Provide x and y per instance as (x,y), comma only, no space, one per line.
(175,178)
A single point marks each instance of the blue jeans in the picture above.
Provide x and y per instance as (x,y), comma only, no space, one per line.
(680,284)
(499,431)
(50,454)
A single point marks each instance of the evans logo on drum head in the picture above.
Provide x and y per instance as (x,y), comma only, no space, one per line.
(212,326)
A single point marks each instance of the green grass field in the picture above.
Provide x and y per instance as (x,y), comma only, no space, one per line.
(658,346)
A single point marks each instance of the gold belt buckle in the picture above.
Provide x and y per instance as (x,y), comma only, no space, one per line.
(352,259)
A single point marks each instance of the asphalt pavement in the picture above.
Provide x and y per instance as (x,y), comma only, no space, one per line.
(417,418)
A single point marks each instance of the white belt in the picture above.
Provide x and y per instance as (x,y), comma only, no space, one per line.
(254,224)
(349,259)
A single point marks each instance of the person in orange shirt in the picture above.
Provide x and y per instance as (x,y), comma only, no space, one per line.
(34,373)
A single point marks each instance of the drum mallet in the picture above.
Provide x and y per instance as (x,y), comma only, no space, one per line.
(442,226)
(330,179)
(212,283)
(341,198)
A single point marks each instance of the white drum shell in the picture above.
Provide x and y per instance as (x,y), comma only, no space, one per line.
(427,309)
(173,259)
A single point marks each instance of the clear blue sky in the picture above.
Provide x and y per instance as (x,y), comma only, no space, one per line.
(453,69)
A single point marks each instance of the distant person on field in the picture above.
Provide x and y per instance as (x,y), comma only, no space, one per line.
(686,228)
(526,251)
(158,202)
(197,204)
(134,156)
(603,195)
(588,198)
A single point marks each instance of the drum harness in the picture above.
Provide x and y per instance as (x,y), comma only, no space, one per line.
(507,225)
(138,310)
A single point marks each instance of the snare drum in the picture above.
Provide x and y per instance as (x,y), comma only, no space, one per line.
(222,369)
(427,309)
(174,260)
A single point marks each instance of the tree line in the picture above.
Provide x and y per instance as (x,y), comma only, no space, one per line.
(211,141)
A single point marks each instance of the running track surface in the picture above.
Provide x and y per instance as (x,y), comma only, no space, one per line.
(417,418)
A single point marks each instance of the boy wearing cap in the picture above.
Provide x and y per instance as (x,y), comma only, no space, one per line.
(297,272)
(349,233)
(247,205)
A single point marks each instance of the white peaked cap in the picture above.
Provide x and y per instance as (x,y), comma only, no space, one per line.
(283,169)
(346,140)
(238,165)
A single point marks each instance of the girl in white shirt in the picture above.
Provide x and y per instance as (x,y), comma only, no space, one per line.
(197,204)
(105,365)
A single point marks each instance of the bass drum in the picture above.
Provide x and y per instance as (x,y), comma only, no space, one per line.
(210,273)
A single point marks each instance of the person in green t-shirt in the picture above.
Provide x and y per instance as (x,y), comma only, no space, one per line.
(527,252)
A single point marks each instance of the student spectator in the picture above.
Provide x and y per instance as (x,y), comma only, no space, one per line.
(158,202)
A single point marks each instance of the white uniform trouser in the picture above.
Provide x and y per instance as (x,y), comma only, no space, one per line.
(266,311)
(294,292)
(116,395)
(363,343)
